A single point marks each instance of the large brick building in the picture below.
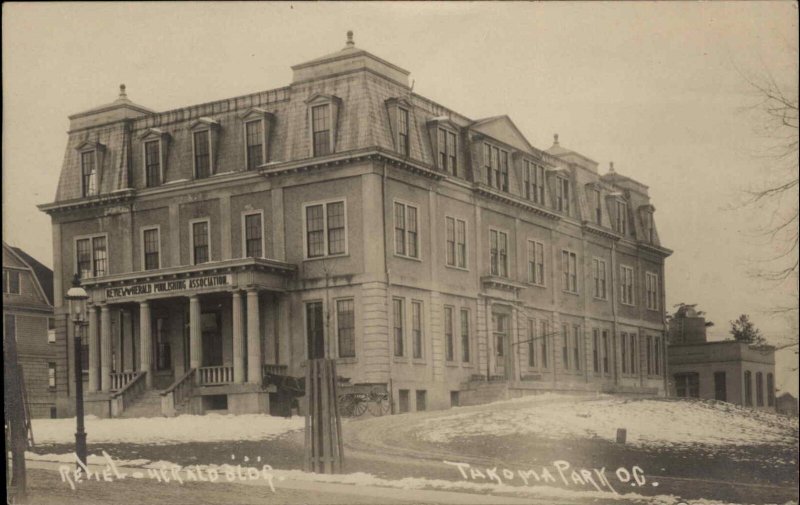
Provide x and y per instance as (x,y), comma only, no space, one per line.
(346,216)
(28,318)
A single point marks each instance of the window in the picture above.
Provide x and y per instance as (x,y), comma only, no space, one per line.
(562,195)
(531,343)
(596,350)
(51,375)
(687,385)
(345,328)
(720,387)
(405,230)
(577,339)
(315,336)
(402,131)
(202,154)
(416,329)
(447,151)
(397,313)
(605,352)
(200,242)
(632,351)
(11,282)
(152,163)
(91,257)
(421,404)
(321,129)
(500,323)
(649,229)
(498,253)
(254,136)
(565,345)
(88,173)
(569,271)
(759,389)
(402,400)
(651,284)
(51,330)
(626,280)
(649,354)
(597,205)
(770,390)
(254,235)
(9,326)
(657,356)
(163,350)
(544,336)
(624,353)
(325,229)
(449,344)
(534,182)
(621,225)
(456,237)
(599,270)
(748,389)
(536,263)
(151,245)
(465,335)
(495,163)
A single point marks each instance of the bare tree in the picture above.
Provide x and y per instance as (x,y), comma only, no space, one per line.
(776,120)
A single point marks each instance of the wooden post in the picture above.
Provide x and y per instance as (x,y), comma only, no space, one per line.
(324,451)
(16,432)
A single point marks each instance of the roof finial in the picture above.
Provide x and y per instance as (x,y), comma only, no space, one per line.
(350,42)
(555,139)
(611,167)
(122,91)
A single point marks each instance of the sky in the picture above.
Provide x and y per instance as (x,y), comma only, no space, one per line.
(660,89)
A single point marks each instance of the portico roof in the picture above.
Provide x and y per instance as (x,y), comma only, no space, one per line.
(211,277)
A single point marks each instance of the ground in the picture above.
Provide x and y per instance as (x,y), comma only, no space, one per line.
(676,450)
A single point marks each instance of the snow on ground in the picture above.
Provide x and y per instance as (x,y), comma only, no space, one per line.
(651,422)
(360,479)
(167,430)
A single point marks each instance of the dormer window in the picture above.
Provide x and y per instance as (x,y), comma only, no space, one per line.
(154,154)
(152,163)
(621,219)
(562,194)
(254,134)
(402,131)
(88,173)
(447,151)
(204,140)
(495,162)
(647,224)
(321,129)
(597,206)
(202,154)
(257,127)
(534,182)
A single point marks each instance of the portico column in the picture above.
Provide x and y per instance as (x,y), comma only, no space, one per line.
(238,339)
(195,347)
(94,352)
(105,348)
(145,343)
(253,339)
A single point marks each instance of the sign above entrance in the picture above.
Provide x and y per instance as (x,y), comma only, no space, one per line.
(157,288)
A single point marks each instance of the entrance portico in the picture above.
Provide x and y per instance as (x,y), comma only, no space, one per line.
(207,319)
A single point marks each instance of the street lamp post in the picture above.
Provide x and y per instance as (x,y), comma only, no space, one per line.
(77,308)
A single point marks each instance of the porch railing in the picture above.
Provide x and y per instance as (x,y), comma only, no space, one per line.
(274,370)
(121,379)
(122,399)
(212,375)
(178,393)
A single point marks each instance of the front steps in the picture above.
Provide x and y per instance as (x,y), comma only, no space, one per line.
(146,405)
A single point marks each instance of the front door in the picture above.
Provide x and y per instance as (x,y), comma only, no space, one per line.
(501,350)
(212,338)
